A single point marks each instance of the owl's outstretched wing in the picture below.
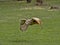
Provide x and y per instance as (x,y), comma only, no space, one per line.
(23,25)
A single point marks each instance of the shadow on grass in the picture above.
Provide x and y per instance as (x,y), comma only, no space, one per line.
(26,41)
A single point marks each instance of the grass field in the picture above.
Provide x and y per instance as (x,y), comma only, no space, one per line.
(12,12)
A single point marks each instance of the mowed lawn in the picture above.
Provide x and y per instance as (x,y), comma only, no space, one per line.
(12,12)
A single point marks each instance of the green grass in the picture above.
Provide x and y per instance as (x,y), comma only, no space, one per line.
(10,34)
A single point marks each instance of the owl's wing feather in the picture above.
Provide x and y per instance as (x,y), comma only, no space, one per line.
(22,21)
(24,24)
(23,27)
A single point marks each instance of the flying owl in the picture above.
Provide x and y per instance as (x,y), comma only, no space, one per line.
(27,22)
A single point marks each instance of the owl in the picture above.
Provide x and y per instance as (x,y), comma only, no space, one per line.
(25,23)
